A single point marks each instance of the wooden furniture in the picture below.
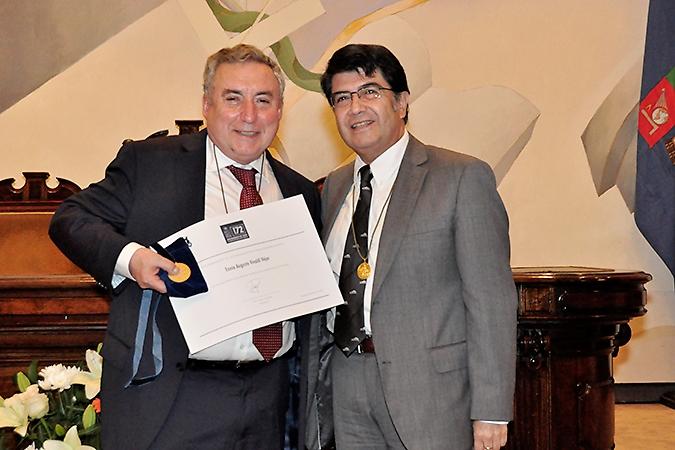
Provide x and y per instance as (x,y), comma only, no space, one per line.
(49,309)
(571,323)
(189,126)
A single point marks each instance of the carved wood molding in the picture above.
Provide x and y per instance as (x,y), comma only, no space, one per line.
(188,126)
(34,195)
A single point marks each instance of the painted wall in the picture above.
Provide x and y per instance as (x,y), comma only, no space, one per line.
(515,82)
(40,39)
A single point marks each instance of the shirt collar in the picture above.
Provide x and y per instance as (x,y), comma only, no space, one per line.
(385,167)
(224,161)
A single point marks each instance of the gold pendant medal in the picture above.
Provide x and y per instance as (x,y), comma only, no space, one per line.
(183,274)
(363,271)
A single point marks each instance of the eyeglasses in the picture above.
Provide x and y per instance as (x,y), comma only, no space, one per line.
(368,93)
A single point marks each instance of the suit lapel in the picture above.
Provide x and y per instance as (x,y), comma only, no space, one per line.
(286,185)
(340,182)
(189,172)
(404,196)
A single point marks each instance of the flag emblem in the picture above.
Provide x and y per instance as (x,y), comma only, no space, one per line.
(657,112)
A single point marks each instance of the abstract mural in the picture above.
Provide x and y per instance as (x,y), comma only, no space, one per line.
(38,40)
(474,120)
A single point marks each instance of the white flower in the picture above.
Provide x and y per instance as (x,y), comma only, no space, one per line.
(58,377)
(15,411)
(33,447)
(70,442)
(14,414)
(36,403)
(92,379)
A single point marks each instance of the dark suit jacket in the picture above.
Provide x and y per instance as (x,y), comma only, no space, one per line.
(444,302)
(151,190)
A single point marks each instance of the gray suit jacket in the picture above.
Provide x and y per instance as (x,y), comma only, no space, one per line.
(444,301)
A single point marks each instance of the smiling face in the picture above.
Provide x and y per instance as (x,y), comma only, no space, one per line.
(242,109)
(369,127)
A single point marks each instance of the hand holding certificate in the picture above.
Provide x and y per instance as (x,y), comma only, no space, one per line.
(262,265)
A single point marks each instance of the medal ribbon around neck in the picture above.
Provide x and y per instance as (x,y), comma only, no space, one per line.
(364,269)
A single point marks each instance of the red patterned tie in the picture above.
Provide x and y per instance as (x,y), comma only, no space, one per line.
(268,338)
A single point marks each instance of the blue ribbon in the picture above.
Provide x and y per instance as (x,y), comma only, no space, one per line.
(148,311)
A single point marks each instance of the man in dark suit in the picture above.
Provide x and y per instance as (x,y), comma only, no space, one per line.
(230,396)
(424,354)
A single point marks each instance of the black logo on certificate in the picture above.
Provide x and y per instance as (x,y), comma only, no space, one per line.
(235,231)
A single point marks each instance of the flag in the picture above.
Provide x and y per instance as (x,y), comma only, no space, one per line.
(655,180)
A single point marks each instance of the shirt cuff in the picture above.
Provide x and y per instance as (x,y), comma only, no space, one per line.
(494,422)
(122,264)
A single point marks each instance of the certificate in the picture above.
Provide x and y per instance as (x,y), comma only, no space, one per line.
(262,265)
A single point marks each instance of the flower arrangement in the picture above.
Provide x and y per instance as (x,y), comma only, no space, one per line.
(57,408)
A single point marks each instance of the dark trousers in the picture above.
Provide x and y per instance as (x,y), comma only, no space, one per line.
(228,409)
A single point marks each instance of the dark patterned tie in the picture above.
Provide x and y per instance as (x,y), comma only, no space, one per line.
(268,338)
(349,327)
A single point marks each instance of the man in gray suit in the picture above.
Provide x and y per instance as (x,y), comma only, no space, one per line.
(424,354)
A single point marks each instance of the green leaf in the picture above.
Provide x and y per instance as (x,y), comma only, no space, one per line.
(33,371)
(99,347)
(60,431)
(22,381)
(89,417)
(92,431)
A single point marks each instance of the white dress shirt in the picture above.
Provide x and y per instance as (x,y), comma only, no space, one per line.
(384,169)
(238,348)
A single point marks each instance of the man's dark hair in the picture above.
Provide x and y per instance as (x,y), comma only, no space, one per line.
(365,58)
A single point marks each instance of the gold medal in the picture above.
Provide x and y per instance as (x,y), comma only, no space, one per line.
(183,274)
(363,271)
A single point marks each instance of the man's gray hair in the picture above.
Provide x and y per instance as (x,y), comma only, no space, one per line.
(241,53)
